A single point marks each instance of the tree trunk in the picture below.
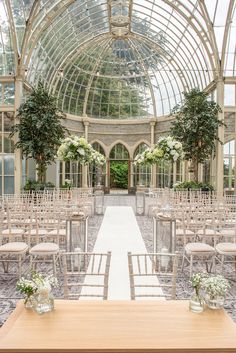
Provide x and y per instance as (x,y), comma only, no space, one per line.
(41,172)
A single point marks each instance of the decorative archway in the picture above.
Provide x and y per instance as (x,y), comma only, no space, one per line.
(119,167)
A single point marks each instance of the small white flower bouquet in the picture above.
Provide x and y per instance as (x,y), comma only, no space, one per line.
(215,286)
(35,284)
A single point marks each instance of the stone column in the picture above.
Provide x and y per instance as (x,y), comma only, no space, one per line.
(200,172)
(174,172)
(17,152)
(154,166)
(219,147)
(131,173)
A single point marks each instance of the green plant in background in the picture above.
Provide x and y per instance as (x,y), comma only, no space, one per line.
(196,127)
(67,184)
(33,185)
(40,129)
(193,185)
(119,174)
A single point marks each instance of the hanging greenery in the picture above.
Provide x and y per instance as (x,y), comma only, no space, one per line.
(40,129)
(196,127)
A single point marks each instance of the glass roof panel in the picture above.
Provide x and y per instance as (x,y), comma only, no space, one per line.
(103,56)
(7,65)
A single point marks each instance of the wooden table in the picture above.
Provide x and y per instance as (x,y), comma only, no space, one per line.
(118,326)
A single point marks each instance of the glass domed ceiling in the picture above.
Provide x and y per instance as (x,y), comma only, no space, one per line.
(119,58)
(111,78)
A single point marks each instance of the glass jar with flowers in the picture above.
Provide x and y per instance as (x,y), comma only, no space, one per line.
(196,303)
(215,288)
(28,288)
(37,290)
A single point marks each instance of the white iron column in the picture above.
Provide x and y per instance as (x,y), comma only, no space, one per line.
(85,167)
(153,167)
(235,147)
(18,159)
(219,147)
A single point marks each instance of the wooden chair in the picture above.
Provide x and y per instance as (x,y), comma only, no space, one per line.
(86,274)
(152,275)
(226,248)
(47,246)
(197,247)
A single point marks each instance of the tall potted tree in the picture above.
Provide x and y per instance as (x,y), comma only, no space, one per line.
(196,127)
(40,129)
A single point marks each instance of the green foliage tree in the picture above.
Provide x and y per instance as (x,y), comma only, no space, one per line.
(196,127)
(119,174)
(39,130)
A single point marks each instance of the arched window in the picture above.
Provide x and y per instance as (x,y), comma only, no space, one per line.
(97,174)
(229,163)
(119,152)
(119,167)
(71,171)
(142,173)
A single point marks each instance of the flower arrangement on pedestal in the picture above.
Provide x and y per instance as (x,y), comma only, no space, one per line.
(167,148)
(75,148)
(98,158)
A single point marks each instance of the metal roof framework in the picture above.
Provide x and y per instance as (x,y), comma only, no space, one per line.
(99,56)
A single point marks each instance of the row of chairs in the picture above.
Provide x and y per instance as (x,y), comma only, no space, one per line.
(210,247)
(85,275)
(151,275)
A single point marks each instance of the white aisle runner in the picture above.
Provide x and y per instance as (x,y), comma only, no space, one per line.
(119,233)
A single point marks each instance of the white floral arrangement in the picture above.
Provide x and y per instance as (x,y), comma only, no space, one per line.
(98,158)
(215,286)
(36,284)
(75,148)
(196,281)
(172,149)
(165,149)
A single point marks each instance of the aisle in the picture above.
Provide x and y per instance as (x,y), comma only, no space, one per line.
(119,233)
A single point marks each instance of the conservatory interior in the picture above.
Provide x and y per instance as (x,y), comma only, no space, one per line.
(117,176)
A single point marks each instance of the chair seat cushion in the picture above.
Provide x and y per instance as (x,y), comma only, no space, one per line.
(226,247)
(44,247)
(228,232)
(36,232)
(207,232)
(14,247)
(58,232)
(13,231)
(199,247)
(184,231)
